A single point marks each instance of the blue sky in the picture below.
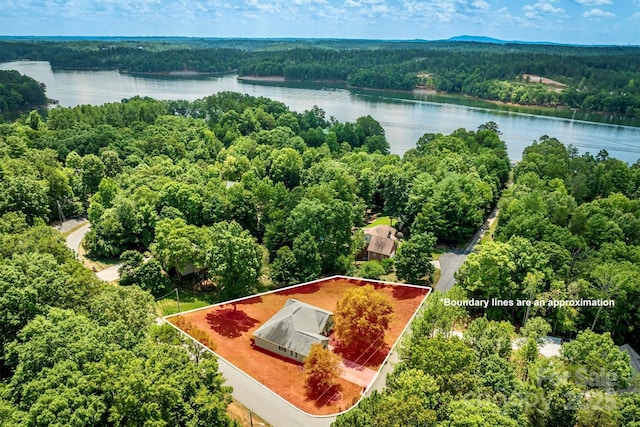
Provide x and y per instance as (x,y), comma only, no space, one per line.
(564,21)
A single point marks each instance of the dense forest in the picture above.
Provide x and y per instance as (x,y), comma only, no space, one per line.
(475,378)
(592,79)
(253,196)
(19,94)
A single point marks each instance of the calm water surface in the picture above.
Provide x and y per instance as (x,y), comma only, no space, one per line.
(404,120)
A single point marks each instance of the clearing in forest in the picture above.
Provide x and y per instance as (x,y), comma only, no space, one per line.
(230,326)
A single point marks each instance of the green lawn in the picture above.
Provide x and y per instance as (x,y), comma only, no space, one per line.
(188,301)
(435,255)
(383,220)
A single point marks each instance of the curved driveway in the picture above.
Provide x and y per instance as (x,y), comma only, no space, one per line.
(74,239)
(73,242)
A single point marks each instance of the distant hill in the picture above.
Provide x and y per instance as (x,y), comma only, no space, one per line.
(482,39)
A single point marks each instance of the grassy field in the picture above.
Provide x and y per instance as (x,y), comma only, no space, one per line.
(240,413)
(435,255)
(188,301)
(383,220)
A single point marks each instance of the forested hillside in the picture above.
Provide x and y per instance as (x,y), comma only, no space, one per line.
(19,94)
(569,229)
(595,79)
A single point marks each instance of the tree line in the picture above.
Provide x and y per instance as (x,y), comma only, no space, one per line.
(19,94)
(599,79)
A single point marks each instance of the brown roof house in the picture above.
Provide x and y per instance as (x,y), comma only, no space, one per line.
(381,242)
(292,330)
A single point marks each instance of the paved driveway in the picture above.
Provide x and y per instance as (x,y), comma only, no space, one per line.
(73,242)
(74,239)
(450,262)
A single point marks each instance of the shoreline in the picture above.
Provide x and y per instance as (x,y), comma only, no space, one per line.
(561,112)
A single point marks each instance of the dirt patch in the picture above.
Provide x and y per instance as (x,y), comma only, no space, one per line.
(545,81)
(232,328)
(230,323)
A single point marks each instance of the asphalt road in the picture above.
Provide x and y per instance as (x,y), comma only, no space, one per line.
(74,239)
(449,265)
(450,262)
(73,242)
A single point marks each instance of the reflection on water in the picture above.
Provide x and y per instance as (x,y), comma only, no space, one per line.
(405,117)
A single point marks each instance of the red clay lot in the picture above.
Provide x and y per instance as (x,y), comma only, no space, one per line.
(231,330)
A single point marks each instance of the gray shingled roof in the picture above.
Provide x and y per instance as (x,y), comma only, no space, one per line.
(296,326)
(634,357)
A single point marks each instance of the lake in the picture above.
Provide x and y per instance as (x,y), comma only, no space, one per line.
(404,120)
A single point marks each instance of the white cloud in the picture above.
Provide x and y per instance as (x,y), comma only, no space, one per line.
(480,4)
(598,13)
(593,2)
(266,7)
(305,2)
(635,17)
(540,9)
(443,10)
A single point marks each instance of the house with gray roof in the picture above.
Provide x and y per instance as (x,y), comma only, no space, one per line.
(634,357)
(292,330)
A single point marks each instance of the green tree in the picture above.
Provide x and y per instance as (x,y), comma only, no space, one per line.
(74,371)
(286,166)
(599,410)
(476,413)
(329,222)
(488,337)
(150,277)
(438,318)
(413,259)
(596,362)
(371,270)
(32,282)
(130,304)
(308,260)
(93,171)
(178,245)
(456,371)
(488,273)
(411,399)
(233,259)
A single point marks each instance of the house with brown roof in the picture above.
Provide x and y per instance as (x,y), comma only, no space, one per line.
(292,330)
(381,242)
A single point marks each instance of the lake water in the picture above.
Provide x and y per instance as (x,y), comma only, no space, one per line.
(404,120)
